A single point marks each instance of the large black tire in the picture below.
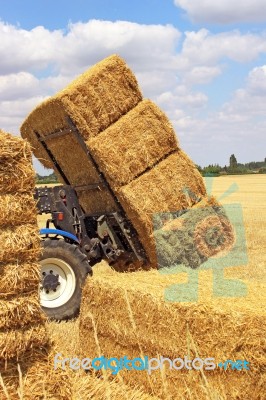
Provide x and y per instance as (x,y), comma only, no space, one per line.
(71,266)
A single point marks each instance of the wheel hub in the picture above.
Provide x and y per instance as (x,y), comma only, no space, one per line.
(50,281)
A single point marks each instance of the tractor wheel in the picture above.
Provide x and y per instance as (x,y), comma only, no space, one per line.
(64,269)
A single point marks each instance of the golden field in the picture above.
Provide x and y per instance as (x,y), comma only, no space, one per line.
(250,192)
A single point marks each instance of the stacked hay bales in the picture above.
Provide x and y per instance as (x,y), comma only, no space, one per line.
(129,317)
(26,368)
(93,101)
(22,330)
(130,139)
(21,320)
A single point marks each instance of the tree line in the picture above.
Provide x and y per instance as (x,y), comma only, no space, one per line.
(234,168)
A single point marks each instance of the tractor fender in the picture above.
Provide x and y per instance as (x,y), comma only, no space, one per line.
(65,234)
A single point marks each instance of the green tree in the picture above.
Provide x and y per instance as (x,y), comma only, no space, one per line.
(233,161)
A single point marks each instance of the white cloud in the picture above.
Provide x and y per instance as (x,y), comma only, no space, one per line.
(238,127)
(224,11)
(140,45)
(250,101)
(205,48)
(200,75)
(22,50)
(37,63)
(12,112)
(16,86)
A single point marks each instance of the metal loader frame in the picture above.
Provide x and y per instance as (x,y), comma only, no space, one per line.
(100,236)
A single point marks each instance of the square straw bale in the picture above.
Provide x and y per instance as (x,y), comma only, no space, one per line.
(17,209)
(139,322)
(21,311)
(136,142)
(16,343)
(190,239)
(20,243)
(175,384)
(93,101)
(16,278)
(174,184)
(35,379)
(16,172)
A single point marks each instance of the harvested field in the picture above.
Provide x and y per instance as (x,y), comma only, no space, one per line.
(245,336)
(134,319)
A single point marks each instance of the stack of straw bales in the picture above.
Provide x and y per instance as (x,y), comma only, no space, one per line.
(128,316)
(131,140)
(25,366)
(21,319)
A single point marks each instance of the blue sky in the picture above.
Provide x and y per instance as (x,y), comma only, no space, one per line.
(203,63)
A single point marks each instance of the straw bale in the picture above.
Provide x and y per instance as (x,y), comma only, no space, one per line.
(182,384)
(80,170)
(34,378)
(49,116)
(73,160)
(39,380)
(19,278)
(104,388)
(101,95)
(16,176)
(174,184)
(16,172)
(17,209)
(21,311)
(136,142)
(20,243)
(16,343)
(13,148)
(144,292)
(128,316)
(93,101)
(193,237)
(97,201)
